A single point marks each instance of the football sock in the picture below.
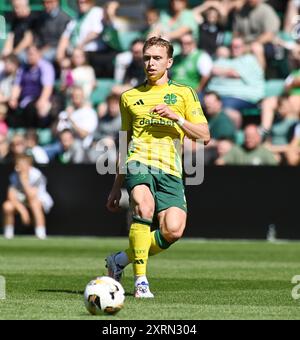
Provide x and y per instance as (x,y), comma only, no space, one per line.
(158,243)
(9,231)
(40,232)
(139,242)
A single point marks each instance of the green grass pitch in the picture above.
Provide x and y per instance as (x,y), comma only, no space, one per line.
(192,280)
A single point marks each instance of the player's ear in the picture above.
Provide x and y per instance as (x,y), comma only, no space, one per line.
(170,63)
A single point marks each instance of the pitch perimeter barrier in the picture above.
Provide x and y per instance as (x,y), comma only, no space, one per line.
(233,202)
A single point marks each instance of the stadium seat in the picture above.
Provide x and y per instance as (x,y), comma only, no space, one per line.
(45,136)
(239,137)
(102,90)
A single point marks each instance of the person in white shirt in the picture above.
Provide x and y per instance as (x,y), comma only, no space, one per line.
(27,193)
(36,151)
(82,32)
(80,118)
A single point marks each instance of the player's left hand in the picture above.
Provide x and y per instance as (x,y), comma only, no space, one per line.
(164,111)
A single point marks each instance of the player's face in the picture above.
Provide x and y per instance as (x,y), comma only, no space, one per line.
(156,62)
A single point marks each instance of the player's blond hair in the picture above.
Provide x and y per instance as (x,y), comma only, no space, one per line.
(158,41)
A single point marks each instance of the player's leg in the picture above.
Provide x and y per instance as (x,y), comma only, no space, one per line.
(143,206)
(36,208)
(8,219)
(172,210)
(142,203)
(172,222)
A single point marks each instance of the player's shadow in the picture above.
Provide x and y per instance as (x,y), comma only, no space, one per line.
(66,291)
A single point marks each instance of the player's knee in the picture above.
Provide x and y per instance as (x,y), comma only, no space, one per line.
(173,232)
(8,207)
(145,211)
(34,202)
(175,235)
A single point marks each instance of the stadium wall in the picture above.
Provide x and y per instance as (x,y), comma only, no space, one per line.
(233,202)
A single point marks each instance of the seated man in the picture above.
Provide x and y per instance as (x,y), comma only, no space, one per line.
(251,153)
(27,193)
(32,92)
(48,28)
(20,36)
(239,80)
(192,67)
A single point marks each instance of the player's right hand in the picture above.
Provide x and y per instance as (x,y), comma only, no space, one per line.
(113,200)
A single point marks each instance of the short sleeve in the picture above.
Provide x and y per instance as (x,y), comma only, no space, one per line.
(69,29)
(125,115)
(193,109)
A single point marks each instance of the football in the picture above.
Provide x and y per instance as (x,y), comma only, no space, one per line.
(104,295)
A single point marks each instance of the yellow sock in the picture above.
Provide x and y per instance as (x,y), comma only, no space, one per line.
(158,243)
(139,243)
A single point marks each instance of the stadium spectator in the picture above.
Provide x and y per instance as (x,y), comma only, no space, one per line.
(129,68)
(109,118)
(20,37)
(211,17)
(7,77)
(252,152)
(270,104)
(258,23)
(282,129)
(239,81)
(82,32)
(4,148)
(152,16)
(87,33)
(48,28)
(192,66)
(175,23)
(107,133)
(3,124)
(17,147)
(292,11)
(82,73)
(26,194)
(79,117)
(66,80)
(220,125)
(71,151)
(38,154)
(32,92)
(293,152)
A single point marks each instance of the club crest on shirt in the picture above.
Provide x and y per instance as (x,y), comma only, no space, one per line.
(170,99)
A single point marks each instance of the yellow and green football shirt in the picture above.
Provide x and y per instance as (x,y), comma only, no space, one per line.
(157,141)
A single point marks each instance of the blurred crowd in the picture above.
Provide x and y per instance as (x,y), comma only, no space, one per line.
(61,77)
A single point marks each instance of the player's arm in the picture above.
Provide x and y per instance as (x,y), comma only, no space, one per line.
(115,194)
(194,131)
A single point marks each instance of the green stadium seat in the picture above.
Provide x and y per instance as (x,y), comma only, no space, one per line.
(227,38)
(45,136)
(102,90)
(239,137)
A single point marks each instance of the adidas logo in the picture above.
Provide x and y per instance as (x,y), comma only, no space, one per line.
(140,102)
